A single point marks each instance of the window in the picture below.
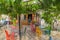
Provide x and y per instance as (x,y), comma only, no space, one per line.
(24,17)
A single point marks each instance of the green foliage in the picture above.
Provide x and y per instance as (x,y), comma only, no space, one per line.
(5,7)
(18,6)
(47,17)
(26,7)
(48,27)
(13,15)
(51,8)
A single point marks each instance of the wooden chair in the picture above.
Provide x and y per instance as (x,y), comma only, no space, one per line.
(8,36)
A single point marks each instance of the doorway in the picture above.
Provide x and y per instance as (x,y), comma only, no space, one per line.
(29,18)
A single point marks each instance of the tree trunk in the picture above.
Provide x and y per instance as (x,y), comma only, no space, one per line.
(19,27)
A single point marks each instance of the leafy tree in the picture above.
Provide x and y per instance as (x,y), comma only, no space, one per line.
(12,7)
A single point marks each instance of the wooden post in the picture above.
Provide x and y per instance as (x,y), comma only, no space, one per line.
(32,17)
(27,18)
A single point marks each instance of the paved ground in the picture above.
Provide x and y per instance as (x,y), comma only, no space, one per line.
(3,35)
(32,36)
(28,35)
